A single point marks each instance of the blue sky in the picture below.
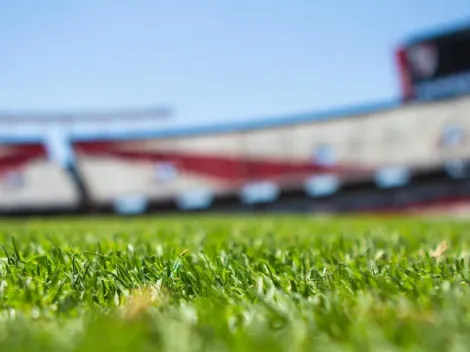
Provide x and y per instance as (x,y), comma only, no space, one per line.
(209,60)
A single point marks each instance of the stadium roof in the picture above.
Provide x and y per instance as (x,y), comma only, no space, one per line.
(154,113)
(22,127)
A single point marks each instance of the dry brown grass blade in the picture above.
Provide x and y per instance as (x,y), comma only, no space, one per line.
(440,249)
(142,299)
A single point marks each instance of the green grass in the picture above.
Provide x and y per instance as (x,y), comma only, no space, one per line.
(234,283)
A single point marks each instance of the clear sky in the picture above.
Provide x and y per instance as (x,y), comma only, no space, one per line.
(210,60)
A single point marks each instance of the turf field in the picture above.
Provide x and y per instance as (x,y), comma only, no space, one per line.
(234,284)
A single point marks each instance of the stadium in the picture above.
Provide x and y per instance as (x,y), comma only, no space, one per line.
(352,159)
(220,278)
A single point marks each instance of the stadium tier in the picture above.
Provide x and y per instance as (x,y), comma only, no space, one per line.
(322,156)
(308,157)
(318,156)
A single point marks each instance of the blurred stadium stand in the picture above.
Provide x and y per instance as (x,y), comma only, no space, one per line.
(371,158)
